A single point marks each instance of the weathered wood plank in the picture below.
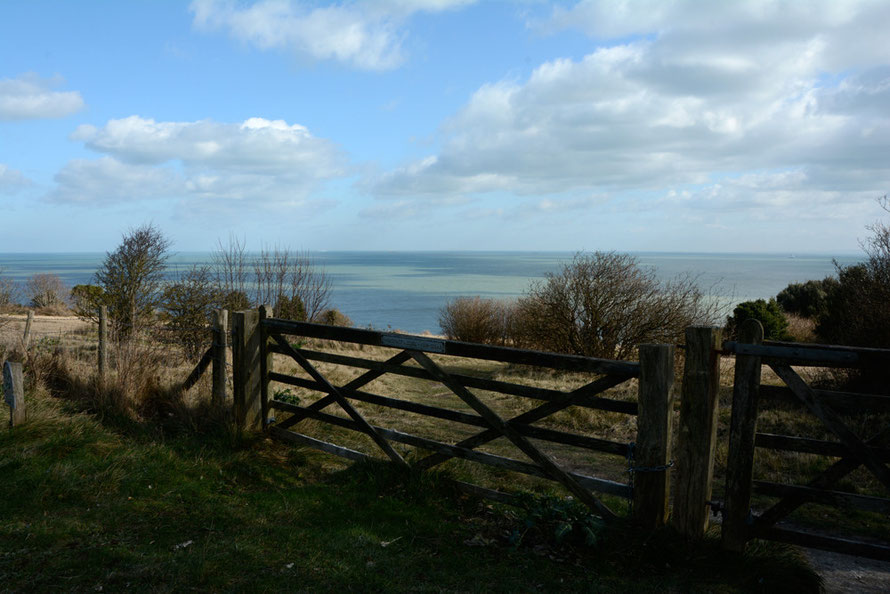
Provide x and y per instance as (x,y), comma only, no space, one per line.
(460,349)
(267,362)
(743,426)
(851,402)
(591,401)
(341,400)
(831,420)
(324,446)
(807,445)
(794,355)
(220,332)
(653,446)
(834,498)
(697,434)
(246,377)
(518,440)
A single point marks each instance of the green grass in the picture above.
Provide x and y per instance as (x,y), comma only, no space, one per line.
(121,504)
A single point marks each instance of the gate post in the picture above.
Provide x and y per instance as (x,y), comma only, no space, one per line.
(220,326)
(697,435)
(265,364)
(246,372)
(652,451)
(743,429)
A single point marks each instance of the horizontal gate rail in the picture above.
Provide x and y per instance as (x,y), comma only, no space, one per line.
(582,441)
(619,406)
(846,402)
(455,348)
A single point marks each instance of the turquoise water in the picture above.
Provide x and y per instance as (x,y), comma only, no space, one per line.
(405,290)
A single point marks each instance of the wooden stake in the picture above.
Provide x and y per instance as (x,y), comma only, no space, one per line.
(14,392)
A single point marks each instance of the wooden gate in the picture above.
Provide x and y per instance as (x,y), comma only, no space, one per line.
(832,409)
(428,359)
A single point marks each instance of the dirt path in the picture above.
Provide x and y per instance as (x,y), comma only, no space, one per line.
(847,574)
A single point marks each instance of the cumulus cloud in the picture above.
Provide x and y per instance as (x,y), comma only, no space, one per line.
(30,97)
(680,94)
(11,180)
(365,35)
(260,160)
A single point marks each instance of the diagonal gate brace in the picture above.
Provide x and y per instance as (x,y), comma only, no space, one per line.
(341,400)
(497,423)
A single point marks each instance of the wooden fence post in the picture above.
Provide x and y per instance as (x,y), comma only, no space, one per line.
(14,392)
(246,372)
(697,435)
(220,326)
(103,342)
(265,364)
(743,427)
(26,337)
(652,451)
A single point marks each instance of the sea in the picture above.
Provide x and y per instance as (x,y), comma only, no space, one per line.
(405,291)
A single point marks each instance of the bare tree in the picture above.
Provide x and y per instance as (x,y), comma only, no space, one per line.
(132,276)
(46,290)
(287,279)
(231,268)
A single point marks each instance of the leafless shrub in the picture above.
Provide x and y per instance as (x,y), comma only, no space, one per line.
(9,291)
(287,280)
(474,319)
(46,290)
(604,305)
(281,273)
(333,317)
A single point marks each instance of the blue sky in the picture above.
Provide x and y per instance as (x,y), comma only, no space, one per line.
(445,124)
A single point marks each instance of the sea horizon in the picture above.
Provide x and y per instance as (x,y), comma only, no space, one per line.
(405,290)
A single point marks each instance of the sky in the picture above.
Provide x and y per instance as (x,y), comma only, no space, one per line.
(650,125)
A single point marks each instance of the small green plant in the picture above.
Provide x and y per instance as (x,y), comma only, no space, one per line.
(286,395)
(768,313)
(563,521)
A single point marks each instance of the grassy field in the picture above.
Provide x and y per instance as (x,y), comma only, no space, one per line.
(138,487)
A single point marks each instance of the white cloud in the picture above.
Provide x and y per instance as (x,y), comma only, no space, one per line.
(30,97)
(703,90)
(365,35)
(264,161)
(11,180)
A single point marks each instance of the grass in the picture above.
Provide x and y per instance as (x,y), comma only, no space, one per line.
(112,502)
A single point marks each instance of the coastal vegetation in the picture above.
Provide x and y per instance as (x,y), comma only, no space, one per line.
(601,304)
